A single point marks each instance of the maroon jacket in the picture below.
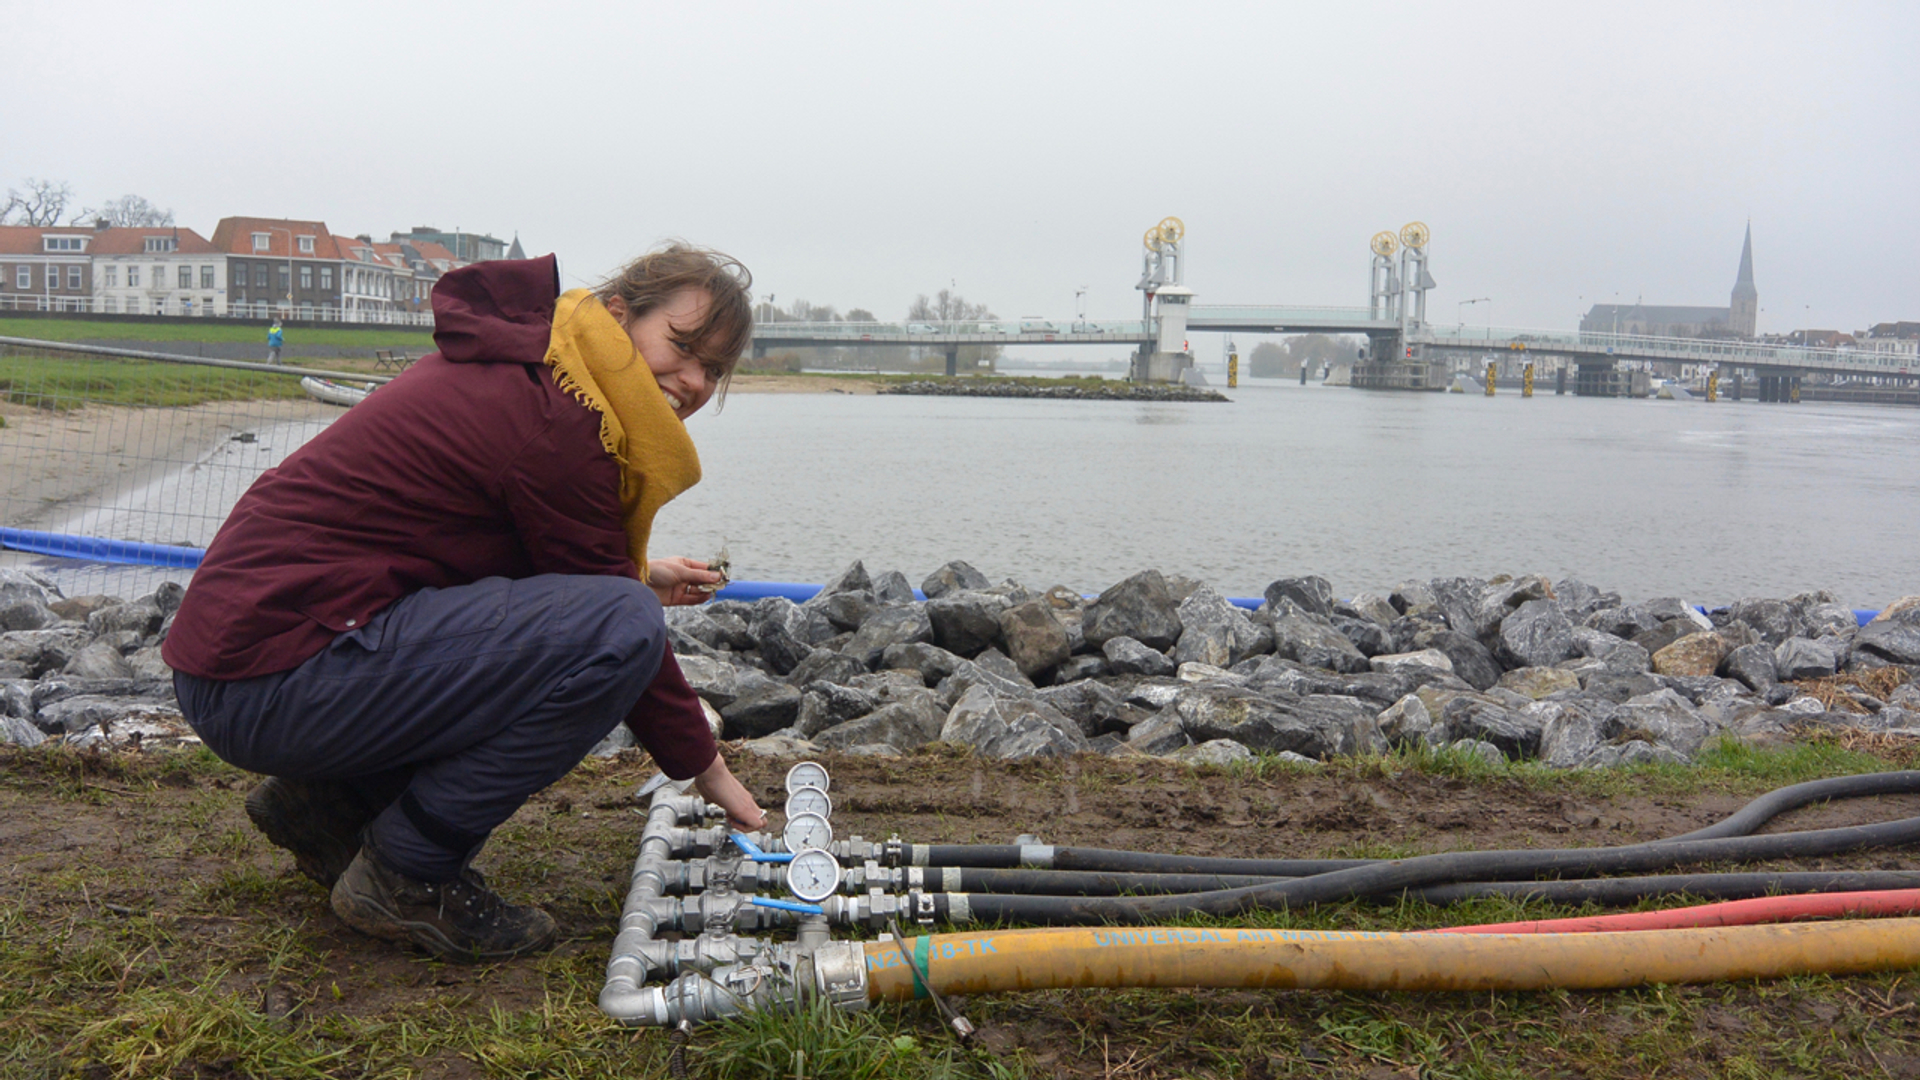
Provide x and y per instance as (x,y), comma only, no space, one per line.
(471,464)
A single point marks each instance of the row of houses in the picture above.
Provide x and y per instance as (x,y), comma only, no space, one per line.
(251,268)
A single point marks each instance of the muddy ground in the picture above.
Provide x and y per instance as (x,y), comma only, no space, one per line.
(84,839)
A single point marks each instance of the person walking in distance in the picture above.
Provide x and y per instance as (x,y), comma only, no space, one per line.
(437,606)
(275,338)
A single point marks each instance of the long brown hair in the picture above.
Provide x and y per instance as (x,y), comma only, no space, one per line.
(726,331)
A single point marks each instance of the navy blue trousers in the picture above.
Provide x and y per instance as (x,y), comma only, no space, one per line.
(483,694)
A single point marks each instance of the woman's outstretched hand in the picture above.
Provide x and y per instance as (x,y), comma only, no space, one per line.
(718,786)
(680,580)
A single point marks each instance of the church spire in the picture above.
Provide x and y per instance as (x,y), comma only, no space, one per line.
(1743,285)
(1743,315)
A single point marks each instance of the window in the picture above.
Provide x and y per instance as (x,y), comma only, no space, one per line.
(286,280)
(161,244)
(112,277)
(262,241)
(23,277)
(306,277)
(306,310)
(73,277)
(260,276)
(133,277)
(206,278)
(63,243)
(186,277)
(326,278)
(306,245)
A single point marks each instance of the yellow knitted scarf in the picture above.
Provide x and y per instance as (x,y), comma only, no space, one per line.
(594,359)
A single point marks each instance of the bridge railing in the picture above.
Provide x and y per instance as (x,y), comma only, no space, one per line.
(1696,350)
(857,332)
(1275,315)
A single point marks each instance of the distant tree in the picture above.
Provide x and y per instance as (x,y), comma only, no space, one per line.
(861,315)
(127,211)
(42,203)
(1283,360)
(947,306)
(1269,361)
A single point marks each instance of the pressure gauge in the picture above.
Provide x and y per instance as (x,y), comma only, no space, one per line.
(806,831)
(809,800)
(813,875)
(807,774)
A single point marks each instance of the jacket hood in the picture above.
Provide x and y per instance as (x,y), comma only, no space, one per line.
(496,312)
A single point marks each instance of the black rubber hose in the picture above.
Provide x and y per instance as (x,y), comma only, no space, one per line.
(1104,860)
(1400,875)
(1080,883)
(1741,823)
(1631,890)
(1774,803)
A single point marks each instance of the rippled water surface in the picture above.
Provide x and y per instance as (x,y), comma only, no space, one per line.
(1650,498)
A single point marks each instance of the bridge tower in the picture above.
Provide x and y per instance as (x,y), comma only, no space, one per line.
(1414,279)
(1384,297)
(1163,271)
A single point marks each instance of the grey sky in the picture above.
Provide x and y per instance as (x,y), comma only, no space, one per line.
(859,154)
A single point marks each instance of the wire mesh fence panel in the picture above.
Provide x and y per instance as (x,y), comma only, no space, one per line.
(140,452)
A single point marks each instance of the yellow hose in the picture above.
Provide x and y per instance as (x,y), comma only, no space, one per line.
(1060,958)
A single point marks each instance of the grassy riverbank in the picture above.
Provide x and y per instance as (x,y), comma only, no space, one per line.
(64,383)
(147,931)
(413,339)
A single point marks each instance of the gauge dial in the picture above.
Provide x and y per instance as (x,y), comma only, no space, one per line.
(808,800)
(807,831)
(810,774)
(813,875)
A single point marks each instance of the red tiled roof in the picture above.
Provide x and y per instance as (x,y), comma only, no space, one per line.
(234,236)
(25,239)
(430,250)
(133,241)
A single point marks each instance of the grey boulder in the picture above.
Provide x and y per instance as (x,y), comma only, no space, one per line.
(1036,642)
(1010,729)
(1139,607)
(1318,726)
(1127,656)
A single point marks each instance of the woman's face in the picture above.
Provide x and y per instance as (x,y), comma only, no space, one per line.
(683,378)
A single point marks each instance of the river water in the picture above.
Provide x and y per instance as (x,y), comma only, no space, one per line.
(1650,498)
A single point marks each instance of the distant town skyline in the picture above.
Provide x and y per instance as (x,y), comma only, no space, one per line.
(863,156)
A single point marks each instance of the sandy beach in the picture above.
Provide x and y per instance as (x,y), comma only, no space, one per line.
(54,463)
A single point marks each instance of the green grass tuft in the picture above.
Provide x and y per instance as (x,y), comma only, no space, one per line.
(62,384)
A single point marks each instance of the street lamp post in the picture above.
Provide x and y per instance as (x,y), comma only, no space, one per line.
(1461,317)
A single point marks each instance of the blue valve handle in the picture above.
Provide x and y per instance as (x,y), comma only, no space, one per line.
(790,905)
(755,854)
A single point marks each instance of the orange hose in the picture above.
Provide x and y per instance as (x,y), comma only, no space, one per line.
(1061,958)
(1764,909)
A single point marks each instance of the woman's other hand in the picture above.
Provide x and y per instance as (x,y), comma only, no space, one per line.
(679,580)
(718,786)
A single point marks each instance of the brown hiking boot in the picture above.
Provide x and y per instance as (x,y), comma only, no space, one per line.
(319,821)
(460,919)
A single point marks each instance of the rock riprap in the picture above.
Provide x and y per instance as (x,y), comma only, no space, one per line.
(1520,668)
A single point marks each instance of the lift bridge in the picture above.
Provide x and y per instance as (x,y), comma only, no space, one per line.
(1404,351)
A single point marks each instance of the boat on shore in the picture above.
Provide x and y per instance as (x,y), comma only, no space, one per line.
(345,395)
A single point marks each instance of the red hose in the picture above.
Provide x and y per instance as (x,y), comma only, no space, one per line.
(1765,909)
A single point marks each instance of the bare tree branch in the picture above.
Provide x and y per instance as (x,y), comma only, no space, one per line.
(42,203)
(127,211)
